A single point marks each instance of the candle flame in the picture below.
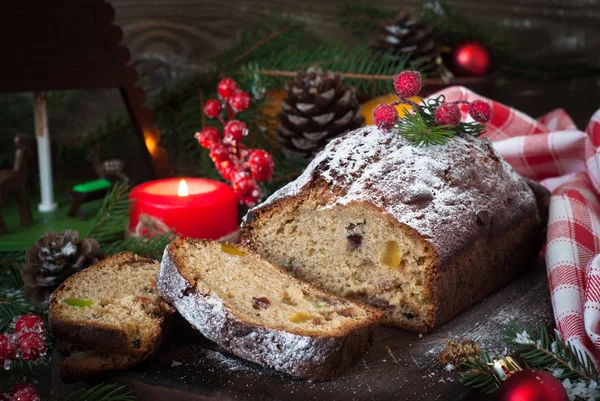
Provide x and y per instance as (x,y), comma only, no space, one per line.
(183,188)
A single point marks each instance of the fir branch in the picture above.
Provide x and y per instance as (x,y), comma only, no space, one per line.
(100,392)
(542,350)
(150,247)
(363,19)
(262,43)
(480,374)
(109,224)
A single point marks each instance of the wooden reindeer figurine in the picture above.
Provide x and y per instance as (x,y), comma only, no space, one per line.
(12,182)
(106,168)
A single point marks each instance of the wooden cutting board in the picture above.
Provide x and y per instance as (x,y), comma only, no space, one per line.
(400,366)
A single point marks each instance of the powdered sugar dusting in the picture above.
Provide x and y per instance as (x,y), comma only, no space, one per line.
(435,189)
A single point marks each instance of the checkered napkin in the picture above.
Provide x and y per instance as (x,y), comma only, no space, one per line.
(567,161)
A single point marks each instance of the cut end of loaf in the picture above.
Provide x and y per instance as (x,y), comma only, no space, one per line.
(353,251)
(113,306)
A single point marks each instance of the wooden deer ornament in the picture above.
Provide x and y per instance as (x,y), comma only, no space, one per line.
(106,168)
(12,182)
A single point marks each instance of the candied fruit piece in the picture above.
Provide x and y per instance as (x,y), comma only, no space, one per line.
(391,254)
(79,302)
(232,250)
(300,317)
(260,303)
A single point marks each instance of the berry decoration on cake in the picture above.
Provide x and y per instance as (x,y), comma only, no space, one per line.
(433,121)
(235,162)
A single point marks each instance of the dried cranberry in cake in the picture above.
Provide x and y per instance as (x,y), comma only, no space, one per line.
(354,242)
(30,322)
(260,303)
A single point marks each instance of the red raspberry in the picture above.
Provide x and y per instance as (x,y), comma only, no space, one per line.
(246,189)
(208,137)
(261,165)
(407,84)
(8,350)
(226,87)
(212,108)
(29,322)
(240,101)
(32,346)
(24,392)
(219,152)
(447,114)
(235,131)
(385,116)
(481,111)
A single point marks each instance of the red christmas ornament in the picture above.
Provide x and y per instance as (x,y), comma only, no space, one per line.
(447,114)
(212,108)
(471,58)
(240,101)
(226,87)
(532,385)
(261,165)
(385,116)
(407,84)
(208,137)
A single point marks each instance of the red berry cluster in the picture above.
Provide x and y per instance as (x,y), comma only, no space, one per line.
(242,166)
(408,84)
(27,342)
(21,392)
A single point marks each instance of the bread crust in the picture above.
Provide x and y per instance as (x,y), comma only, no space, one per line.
(492,227)
(307,356)
(113,346)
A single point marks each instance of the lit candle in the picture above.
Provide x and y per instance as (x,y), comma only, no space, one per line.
(192,207)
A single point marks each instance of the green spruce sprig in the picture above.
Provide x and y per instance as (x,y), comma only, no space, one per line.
(363,19)
(419,127)
(480,375)
(100,392)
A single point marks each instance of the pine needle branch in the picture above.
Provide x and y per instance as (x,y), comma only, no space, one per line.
(479,374)
(110,220)
(261,43)
(100,392)
(542,350)
(363,19)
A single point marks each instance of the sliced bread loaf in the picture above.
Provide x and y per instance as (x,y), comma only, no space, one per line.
(259,312)
(112,312)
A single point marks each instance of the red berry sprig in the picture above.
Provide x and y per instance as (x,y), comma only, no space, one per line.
(21,392)
(27,342)
(235,162)
(434,121)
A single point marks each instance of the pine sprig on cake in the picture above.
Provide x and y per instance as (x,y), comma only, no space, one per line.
(433,121)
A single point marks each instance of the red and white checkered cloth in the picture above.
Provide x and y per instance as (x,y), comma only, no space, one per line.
(567,161)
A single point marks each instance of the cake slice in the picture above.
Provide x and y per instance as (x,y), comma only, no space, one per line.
(422,232)
(259,312)
(111,314)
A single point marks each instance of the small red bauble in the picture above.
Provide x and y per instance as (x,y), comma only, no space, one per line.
(24,392)
(212,108)
(219,152)
(471,58)
(480,111)
(532,385)
(240,101)
(447,114)
(8,350)
(407,84)
(29,322)
(32,346)
(226,87)
(235,131)
(208,137)
(385,116)
(261,165)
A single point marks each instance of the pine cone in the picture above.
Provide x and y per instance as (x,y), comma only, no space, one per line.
(317,108)
(54,258)
(406,35)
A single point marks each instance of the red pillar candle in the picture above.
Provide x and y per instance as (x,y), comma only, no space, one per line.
(192,207)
